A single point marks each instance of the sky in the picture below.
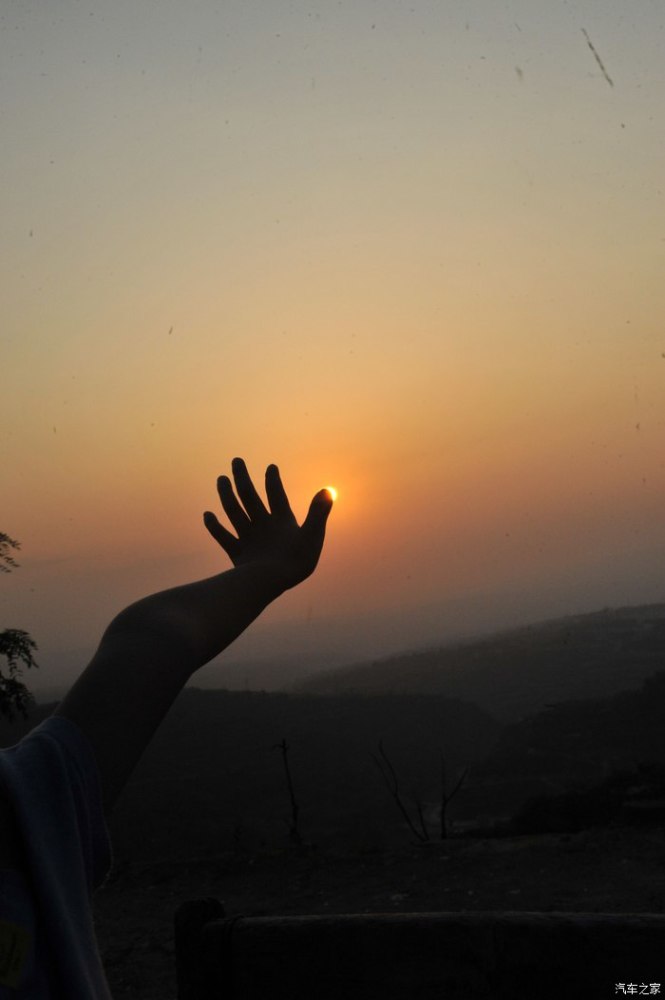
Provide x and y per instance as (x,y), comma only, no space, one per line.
(414,250)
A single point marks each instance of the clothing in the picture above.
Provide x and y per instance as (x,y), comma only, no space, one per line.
(52,783)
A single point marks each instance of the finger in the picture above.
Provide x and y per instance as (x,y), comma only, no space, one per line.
(246,490)
(277,498)
(228,541)
(314,525)
(232,508)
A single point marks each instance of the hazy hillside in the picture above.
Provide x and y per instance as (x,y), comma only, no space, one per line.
(572,745)
(515,673)
(212,779)
(576,738)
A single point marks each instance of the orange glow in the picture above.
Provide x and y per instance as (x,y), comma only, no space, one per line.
(466,338)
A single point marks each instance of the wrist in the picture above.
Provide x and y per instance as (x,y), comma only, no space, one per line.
(270,577)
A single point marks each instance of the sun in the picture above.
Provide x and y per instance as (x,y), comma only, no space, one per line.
(332,491)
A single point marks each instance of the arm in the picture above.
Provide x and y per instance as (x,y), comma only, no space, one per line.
(150,650)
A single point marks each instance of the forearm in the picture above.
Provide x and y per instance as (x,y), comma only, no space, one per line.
(191,624)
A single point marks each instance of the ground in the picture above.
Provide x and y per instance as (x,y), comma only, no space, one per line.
(602,871)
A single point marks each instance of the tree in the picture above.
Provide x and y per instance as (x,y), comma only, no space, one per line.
(7,563)
(17,648)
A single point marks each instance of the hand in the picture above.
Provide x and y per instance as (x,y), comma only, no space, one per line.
(270,537)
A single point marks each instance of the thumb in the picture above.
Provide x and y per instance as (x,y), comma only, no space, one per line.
(314,525)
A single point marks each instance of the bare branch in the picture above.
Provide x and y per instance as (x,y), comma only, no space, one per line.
(390,778)
(421,819)
(459,784)
(294,833)
(447,797)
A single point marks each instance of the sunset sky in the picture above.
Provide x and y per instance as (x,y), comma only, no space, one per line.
(415,250)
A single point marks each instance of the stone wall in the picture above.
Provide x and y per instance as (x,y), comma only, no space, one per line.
(418,956)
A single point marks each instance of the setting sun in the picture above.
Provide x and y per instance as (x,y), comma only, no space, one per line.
(332,491)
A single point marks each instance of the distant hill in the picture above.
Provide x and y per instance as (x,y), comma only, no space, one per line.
(515,673)
(576,741)
(573,745)
(212,779)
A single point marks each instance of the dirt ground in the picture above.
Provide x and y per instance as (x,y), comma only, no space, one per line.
(602,871)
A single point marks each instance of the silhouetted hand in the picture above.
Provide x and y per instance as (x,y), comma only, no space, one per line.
(269,537)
